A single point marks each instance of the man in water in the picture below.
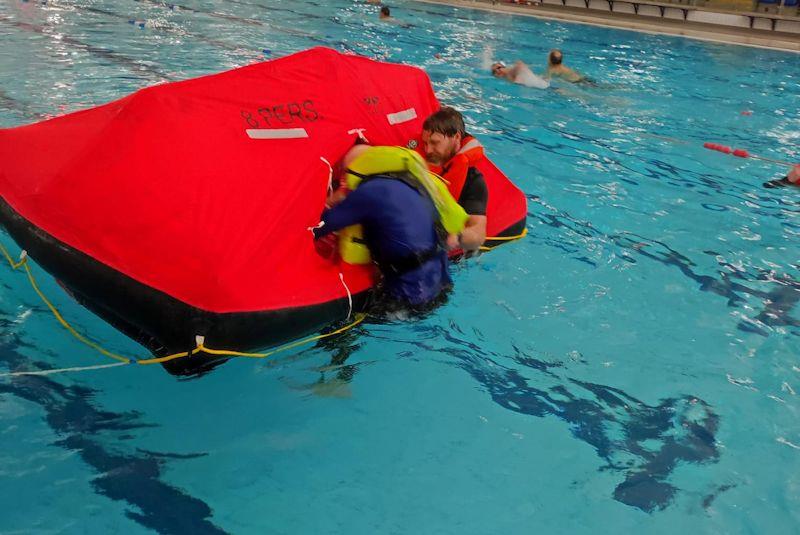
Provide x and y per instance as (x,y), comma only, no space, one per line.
(792,179)
(557,69)
(519,74)
(386,16)
(453,154)
(400,231)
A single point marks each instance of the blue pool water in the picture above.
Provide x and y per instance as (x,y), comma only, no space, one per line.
(631,366)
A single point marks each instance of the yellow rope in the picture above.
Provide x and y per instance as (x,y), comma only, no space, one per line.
(504,238)
(14,265)
(200,347)
(24,263)
(69,327)
(223,352)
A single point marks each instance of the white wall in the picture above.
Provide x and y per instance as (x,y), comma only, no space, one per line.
(709,17)
(650,11)
(719,18)
(788,26)
(762,24)
(600,5)
(623,7)
(673,13)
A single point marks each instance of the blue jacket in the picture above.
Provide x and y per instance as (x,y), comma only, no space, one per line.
(398,223)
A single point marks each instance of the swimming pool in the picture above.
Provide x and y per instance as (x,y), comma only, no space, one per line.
(631,364)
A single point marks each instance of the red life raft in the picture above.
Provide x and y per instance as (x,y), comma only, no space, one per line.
(183,209)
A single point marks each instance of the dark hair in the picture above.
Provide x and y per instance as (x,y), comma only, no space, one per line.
(556,57)
(385,11)
(447,121)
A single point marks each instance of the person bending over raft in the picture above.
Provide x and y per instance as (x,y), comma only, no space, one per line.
(406,215)
(452,153)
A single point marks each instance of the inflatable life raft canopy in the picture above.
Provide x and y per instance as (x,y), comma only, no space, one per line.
(183,209)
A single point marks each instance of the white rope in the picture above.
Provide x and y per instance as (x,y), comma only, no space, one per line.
(360,132)
(349,296)
(63,370)
(315,227)
(330,190)
(330,174)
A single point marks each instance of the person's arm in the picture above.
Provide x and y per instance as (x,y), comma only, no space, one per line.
(351,211)
(574,77)
(474,233)
(515,71)
(474,199)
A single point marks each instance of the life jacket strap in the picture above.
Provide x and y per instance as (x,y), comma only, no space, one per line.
(408,263)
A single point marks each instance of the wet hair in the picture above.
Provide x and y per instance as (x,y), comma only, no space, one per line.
(447,121)
(556,57)
(385,11)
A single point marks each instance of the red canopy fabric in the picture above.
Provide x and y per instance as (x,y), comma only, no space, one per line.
(205,189)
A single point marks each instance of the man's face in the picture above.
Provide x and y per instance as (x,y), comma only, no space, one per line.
(440,149)
(498,70)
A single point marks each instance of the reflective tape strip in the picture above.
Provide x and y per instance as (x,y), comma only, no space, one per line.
(277,133)
(402,116)
(474,143)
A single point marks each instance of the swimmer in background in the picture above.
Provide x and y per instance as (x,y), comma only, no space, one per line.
(519,74)
(557,69)
(386,16)
(792,179)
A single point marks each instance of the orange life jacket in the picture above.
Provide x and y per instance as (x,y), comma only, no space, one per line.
(455,171)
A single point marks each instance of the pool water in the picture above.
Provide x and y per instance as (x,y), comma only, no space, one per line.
(630,366)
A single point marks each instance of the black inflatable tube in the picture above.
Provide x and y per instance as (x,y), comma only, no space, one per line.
(163,324)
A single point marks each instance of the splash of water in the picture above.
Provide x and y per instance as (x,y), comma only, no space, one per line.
(486,58)
(524,77)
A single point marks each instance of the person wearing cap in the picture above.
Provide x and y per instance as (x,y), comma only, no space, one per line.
(513,73)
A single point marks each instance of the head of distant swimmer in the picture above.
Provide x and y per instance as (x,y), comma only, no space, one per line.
(442,133)
(555,57)
(498,69)
(385,12)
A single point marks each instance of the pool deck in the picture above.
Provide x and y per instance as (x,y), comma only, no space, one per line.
(695,30)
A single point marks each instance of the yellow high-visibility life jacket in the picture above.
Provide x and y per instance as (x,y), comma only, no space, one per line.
(387,160)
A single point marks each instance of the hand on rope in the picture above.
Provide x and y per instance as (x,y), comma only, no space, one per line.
(503,238)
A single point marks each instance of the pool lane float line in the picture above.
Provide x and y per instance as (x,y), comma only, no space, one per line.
(176,223)
(743,153)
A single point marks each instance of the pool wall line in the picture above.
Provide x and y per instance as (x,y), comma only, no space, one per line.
(789,42)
